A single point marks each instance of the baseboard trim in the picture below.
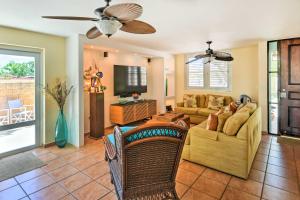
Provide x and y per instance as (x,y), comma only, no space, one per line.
(264,133)
(288,139)
(49,145)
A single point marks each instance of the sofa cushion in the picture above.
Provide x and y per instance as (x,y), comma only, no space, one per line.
(215,103)
(240,107)
(179,104)
(222,119)
(189,101)
(205,111)
(200,100)
(188,111)
(235,122)
(227,99)
(250,107)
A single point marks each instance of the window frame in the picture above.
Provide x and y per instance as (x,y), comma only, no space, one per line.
(206,76)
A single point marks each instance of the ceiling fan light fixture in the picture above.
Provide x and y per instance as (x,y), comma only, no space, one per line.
(108,26)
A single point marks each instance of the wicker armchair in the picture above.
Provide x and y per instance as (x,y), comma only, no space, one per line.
(144,161)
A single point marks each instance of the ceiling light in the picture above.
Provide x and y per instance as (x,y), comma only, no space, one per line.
(108,26)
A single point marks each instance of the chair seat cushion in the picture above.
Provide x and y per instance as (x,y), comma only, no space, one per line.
(124,129)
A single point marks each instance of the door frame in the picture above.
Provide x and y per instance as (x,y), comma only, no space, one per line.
(279,83)
(38,55)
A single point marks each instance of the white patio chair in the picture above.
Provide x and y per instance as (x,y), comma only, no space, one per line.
(18,112)
(29,112)
(4,117)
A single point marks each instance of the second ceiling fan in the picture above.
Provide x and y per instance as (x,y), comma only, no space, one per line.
(111,18)
(211,54)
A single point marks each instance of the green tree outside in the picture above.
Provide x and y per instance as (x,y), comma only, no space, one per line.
(18,70)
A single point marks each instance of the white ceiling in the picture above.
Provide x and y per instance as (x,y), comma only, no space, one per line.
(182,25)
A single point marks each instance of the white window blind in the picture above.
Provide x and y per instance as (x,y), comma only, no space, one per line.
(218,74)
(132,76)
(212,76)
(196,74)
(143,76)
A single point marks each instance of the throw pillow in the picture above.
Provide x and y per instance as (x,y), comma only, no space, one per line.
(233,107)
(212,121)
(250,107)
(235,122)
(215,103)
(222,119)
(189,101)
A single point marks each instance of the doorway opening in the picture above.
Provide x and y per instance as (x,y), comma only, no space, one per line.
(19,101)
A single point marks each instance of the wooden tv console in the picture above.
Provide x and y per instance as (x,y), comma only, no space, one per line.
(131,112)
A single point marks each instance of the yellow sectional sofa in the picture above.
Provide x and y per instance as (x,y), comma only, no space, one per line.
(201,112)
(230,154)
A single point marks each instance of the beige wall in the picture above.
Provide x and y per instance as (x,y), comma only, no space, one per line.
(244,74)
(263,82)
(53,48)
(107,66)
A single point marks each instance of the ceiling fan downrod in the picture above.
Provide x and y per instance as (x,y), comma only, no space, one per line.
(107,2)
(99,11)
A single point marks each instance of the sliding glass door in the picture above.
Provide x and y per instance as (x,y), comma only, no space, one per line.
(19,101)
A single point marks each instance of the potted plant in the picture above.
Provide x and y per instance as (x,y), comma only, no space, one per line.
(59,92)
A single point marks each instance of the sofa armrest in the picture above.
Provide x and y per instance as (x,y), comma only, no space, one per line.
(251,127)
(180,104)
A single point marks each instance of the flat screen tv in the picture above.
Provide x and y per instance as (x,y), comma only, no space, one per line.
(129,79)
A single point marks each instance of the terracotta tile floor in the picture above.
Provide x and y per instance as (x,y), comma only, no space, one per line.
(83,174)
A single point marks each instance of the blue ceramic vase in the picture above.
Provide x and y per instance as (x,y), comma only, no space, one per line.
(61,130)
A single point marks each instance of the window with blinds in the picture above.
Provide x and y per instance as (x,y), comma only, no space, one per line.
(196,74)
(143,76)
(214,75)
(218,74)
(132,76)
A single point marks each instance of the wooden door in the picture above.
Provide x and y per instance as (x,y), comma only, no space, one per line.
(290,87)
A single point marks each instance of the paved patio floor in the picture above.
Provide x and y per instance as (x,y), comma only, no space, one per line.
(17,138)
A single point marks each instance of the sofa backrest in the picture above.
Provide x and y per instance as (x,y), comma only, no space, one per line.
(202,99)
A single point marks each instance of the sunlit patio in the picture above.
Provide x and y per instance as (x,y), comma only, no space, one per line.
(17,138)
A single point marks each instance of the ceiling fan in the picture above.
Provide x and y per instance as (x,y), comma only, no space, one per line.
(111,18)
(211,54)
